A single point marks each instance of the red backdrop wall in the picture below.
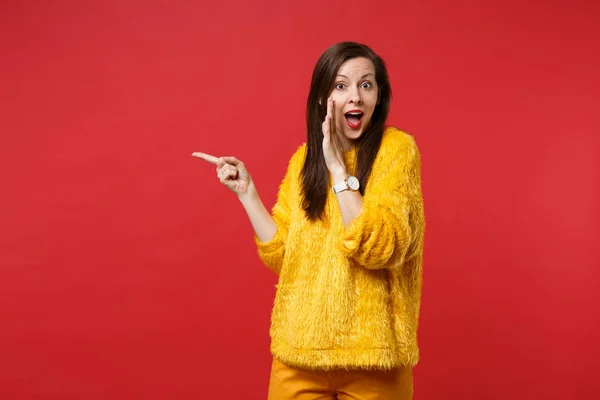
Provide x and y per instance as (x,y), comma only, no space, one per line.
(128,272)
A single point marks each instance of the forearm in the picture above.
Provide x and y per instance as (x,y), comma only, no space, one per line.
(263,223)
(350,202)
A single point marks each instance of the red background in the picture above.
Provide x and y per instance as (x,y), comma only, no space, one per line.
(128,272)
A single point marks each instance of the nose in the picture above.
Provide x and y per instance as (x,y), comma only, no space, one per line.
(355,96)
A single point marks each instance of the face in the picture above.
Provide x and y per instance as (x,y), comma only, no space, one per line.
(355,93)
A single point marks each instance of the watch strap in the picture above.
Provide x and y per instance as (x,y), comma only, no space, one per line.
(340,187)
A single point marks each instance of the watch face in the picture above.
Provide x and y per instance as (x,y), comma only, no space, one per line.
(353,183)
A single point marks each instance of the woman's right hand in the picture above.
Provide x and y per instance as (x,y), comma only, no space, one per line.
(230,171)
(233,174)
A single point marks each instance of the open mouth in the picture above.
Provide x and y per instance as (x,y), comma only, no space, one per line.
(354,118)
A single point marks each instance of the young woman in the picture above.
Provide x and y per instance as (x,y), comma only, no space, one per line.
(346,239)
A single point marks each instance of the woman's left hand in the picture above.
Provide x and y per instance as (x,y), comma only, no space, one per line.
(332,148)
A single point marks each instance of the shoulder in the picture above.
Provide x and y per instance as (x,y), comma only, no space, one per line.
(298,157)
(397,143)
(296,161)
(398,163)
(299,154)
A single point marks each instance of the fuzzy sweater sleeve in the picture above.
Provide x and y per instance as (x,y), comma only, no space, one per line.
(272,252)
(390,218)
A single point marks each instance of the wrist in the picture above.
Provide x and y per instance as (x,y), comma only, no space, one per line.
(249,195)
(339,175)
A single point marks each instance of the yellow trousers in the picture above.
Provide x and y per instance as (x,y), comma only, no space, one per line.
(293,383)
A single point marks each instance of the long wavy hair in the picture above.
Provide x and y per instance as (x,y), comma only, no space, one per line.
(315,176)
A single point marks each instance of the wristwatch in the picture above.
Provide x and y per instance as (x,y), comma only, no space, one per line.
(350,183)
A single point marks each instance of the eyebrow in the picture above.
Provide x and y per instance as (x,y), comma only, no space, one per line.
(362,77)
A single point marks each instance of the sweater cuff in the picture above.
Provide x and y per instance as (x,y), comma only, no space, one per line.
(352,236)
(271,253)
(269,247)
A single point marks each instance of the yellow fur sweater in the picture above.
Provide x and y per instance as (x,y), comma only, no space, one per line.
(350,297)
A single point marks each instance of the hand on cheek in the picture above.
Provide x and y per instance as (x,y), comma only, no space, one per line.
(332,147)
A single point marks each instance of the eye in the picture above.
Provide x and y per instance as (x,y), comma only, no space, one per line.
(340,86)
(366,85)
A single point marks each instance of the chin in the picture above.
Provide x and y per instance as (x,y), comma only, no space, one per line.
(352,134)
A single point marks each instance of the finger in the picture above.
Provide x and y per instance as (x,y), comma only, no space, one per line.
(229,167)
(335,139)
(227,170)
(329,107)
(325,127)
(233,161)
(332,127)
(223,165)
(206,157)
(338,143)
(227,175)
(332,115)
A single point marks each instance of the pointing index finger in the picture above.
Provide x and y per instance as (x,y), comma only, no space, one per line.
(207,157)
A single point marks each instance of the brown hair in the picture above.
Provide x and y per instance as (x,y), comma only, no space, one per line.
(315,176)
